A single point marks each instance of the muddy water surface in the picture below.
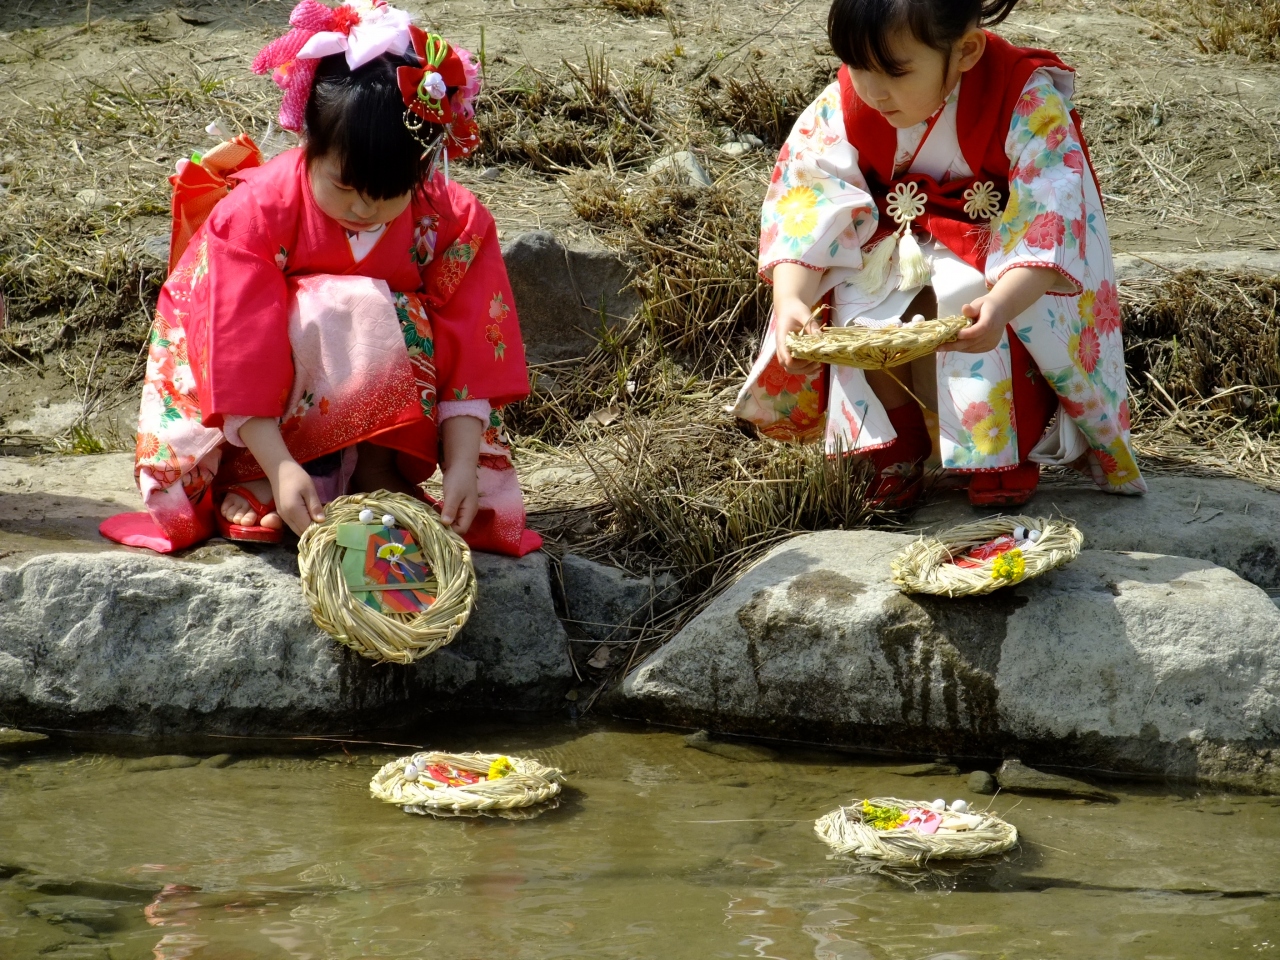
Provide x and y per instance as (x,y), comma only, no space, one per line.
(658,851)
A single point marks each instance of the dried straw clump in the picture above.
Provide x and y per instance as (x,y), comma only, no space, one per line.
(1203,337)
(525,783)
(704,500)
(638,8)
(926,565)
(876,349)
(846,832)
(395,638)
(762,105)
(579,117)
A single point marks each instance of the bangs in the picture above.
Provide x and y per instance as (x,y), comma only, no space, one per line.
(861,31)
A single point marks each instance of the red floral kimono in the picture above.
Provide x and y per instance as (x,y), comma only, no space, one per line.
(269,313)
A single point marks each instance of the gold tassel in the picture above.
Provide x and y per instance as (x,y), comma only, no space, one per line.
(875,266)
(915,267)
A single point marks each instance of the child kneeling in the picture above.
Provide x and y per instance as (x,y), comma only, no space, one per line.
(342,319)
(944,174)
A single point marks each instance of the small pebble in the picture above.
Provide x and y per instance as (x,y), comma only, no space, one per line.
(388,520)
(982,782)
(366,515)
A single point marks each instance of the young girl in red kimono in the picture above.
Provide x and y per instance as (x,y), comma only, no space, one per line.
(342,319)
(943,174)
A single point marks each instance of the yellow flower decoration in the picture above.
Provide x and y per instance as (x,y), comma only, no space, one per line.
(982,201)
(991,434)
(882,818)
(1011,566)
(1046,118)
(1000,399)
(798,209)
(500,768)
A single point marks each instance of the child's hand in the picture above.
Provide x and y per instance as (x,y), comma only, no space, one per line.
(1014,293)
(461,498)
(296,499)
(795,290)
(792,316)
(989,321)
(462,436)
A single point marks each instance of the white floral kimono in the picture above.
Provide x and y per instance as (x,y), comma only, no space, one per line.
(819,212)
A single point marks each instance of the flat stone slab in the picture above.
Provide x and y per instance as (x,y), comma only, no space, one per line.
(1228,522)
(1129,662)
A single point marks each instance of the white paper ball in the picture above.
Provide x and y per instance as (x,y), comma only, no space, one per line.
(366,515)
(938,805)
(411,772)
(388,520)
(959,806)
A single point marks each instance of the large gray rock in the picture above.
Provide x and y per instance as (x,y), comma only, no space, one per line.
(224,643)
(1128,662)
(560,293)
(1231,523)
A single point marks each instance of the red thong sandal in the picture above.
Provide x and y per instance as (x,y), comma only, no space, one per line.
(246,533)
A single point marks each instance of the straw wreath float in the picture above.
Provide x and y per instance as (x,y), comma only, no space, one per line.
(877,829)
(876,348)
(927,565)
(394,637)
(432,782)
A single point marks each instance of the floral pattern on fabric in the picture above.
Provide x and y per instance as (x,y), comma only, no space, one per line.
(456,260)
(817,210)
(422,350)
(498,311)
(424,240)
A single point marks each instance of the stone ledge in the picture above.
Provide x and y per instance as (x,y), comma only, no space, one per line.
(137,643)
(1135,663)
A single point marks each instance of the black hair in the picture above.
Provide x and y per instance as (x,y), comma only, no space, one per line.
(357,117)
(860,30)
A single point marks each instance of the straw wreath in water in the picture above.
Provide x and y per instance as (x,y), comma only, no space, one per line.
(927,566)
(395,637)
(438,782)
(877,829)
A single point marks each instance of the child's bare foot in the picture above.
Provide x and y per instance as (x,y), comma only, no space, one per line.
(376,470)
(239,510)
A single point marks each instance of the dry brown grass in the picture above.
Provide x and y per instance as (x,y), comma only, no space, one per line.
(761,105)
(1213,341)
(84,229)
(578,116)
(1250,28)
(637,8)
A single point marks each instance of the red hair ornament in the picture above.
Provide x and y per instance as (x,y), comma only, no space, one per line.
(441,92)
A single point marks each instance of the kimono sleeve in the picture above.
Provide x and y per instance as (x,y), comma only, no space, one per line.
(479,350)
(1044,222)
(239,314)
(818,211)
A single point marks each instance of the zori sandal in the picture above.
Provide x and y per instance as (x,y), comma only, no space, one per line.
(255,533)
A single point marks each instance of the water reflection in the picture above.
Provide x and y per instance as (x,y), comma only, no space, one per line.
(658,851)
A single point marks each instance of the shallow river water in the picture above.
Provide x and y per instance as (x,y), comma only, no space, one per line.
(658,851)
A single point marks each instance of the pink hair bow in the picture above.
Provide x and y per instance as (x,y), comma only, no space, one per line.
(362,29)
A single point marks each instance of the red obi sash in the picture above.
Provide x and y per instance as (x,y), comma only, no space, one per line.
(988,94)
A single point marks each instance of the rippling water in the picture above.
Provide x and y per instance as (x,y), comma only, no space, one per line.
(658,851)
